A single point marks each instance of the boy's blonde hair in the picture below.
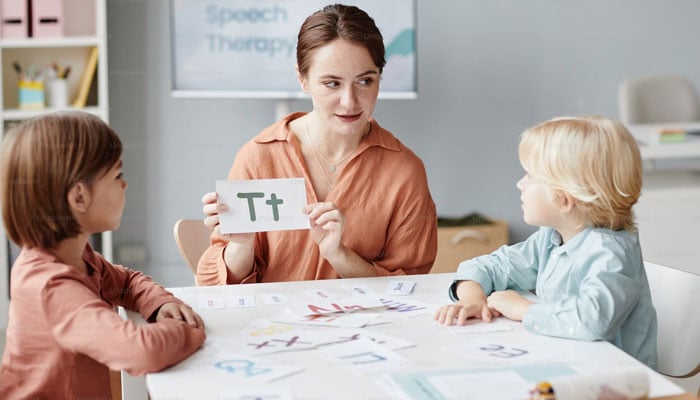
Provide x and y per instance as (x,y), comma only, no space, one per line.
(592,158)
(41,160)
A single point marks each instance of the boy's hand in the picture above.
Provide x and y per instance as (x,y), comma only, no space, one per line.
(461,311)
(180,312)
(472,303)
(509,303)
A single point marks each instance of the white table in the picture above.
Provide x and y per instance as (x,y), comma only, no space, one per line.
(323,380)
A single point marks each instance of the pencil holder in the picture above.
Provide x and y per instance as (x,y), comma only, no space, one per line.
(31,95)
(57,93)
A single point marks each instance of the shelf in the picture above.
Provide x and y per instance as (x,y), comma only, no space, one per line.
(66,41)
(15,114)
(651,149)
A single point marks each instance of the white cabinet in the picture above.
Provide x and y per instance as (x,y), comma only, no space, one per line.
(84,30)
(668,217)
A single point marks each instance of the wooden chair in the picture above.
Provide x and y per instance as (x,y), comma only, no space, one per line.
(675,295)
(191,238)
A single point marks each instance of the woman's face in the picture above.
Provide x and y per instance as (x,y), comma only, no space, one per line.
(343,83)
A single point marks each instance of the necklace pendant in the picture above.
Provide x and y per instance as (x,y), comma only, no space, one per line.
(332,168)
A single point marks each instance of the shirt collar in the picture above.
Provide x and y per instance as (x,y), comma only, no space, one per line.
(377,136)
(573,243)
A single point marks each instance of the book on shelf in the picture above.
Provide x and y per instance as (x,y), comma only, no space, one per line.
(86,80)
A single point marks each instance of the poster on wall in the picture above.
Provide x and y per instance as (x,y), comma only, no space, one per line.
(247,48)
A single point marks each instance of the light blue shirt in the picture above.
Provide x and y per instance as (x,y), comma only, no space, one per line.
(594,287)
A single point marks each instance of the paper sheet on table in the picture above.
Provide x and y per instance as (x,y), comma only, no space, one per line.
(475,325)
(261,205)
(476,384)
(268,392)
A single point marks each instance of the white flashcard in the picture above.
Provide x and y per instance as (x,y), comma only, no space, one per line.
(363,356)
(407,308)
(341,320)
(271,392)
(243,301)
(474,325)
(261,205)
(502,351)
(211,303)
(215,367)
(348,334)
(321,294)
(274,298)
(349,304)
(359,290)
(400,288)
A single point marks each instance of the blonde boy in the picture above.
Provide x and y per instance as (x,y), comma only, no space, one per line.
(583,175)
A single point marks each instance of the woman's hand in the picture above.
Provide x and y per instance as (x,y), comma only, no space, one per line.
(239,253)
(327,224)
(180,312)
(509,303)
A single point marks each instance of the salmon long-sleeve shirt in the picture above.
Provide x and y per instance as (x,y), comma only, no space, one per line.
(63,332)
(390,217)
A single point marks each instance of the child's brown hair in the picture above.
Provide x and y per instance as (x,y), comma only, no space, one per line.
(41,159)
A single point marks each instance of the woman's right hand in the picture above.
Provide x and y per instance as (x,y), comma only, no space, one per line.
(239,253)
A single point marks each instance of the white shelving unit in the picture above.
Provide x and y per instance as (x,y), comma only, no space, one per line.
(85,27)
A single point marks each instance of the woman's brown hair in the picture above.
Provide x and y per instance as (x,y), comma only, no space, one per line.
(339,21)
(40,160)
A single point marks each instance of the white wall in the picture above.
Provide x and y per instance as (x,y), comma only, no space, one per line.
(487,70)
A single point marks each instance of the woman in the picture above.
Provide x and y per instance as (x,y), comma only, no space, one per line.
(370,208)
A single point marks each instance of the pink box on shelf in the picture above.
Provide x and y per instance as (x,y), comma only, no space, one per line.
(13,19)
(47,18)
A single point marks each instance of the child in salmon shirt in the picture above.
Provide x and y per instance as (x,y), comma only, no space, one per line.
(583,176)
(61,181)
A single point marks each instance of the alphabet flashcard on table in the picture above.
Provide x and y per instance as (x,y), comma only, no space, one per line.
(341,320)
(363,356)
(349,304)
(348,334)
(262,205)
(215,367)
(501,351)
(294,340)
(243,301)
(400,288)
(275,298)
(211,303)
(407,308)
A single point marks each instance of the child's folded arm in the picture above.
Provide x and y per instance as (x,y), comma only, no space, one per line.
(82,322)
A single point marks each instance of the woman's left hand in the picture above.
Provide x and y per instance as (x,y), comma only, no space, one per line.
(327,224)
(509,303)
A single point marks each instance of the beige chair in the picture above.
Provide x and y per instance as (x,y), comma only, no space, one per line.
(675,296)
(658,99)
(192,238)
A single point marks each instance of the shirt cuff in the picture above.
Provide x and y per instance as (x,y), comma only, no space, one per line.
(536,318)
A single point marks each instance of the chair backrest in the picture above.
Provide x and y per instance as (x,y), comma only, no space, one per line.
(658,99)
(675,296)
(192,238)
